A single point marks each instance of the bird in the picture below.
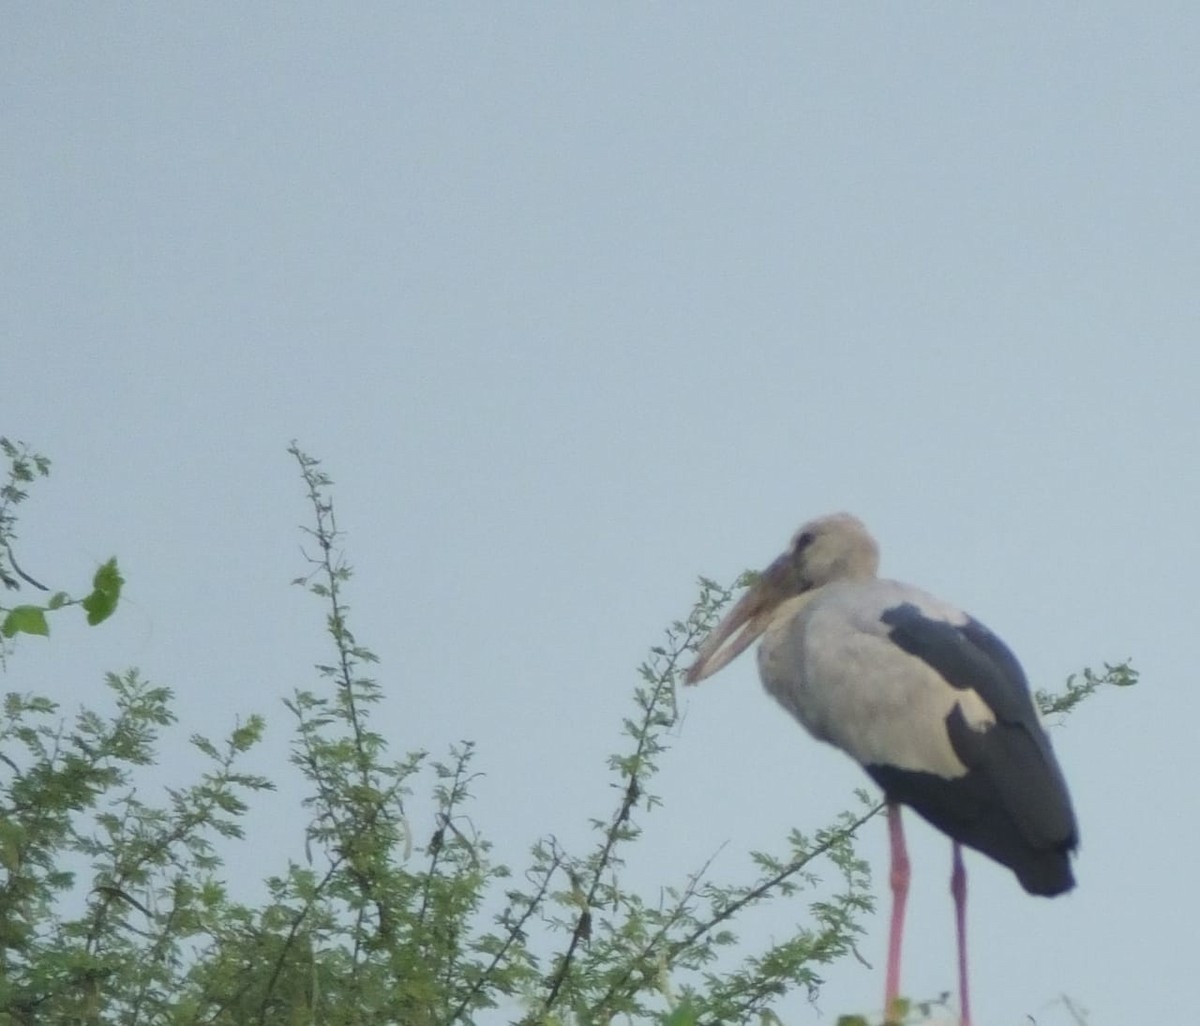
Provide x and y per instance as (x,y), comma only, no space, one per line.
(932,704)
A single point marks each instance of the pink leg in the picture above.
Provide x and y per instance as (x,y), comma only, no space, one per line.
(899,882)
(958,887)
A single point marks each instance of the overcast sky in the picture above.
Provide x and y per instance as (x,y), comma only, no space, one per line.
(578,302)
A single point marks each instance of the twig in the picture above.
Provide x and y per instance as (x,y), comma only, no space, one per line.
(21,573)
(514,932)
(662,686)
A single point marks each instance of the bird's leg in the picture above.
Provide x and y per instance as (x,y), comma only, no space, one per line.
(899,881)
(958,887)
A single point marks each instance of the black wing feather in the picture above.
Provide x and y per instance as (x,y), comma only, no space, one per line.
(1013,803)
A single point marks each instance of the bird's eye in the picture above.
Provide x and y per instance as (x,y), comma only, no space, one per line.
(802,542)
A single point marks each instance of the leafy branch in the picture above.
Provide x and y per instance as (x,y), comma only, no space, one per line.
(25,466)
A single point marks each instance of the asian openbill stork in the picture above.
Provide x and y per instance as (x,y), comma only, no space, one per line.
(930,702)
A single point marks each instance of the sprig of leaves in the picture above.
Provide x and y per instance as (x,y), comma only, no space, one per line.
(24,467)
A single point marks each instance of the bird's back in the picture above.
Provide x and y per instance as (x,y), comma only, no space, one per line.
(936,709)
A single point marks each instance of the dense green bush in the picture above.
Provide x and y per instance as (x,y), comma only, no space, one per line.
(116,909)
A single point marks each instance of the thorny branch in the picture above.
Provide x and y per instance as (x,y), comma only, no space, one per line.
(696,627)
(516,931)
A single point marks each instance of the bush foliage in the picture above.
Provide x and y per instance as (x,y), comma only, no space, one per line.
(117,908)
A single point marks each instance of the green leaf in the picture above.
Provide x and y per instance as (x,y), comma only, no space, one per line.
(58,600)
(684,1015)
(25,620)
(106,589)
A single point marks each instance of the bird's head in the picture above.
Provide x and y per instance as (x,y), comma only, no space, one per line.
(830,548)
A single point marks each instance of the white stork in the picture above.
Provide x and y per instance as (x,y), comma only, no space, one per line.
(930,702)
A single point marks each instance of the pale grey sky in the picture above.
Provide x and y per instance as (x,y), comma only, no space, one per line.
(579,301)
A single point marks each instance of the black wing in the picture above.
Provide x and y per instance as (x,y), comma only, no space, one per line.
(1013,803)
